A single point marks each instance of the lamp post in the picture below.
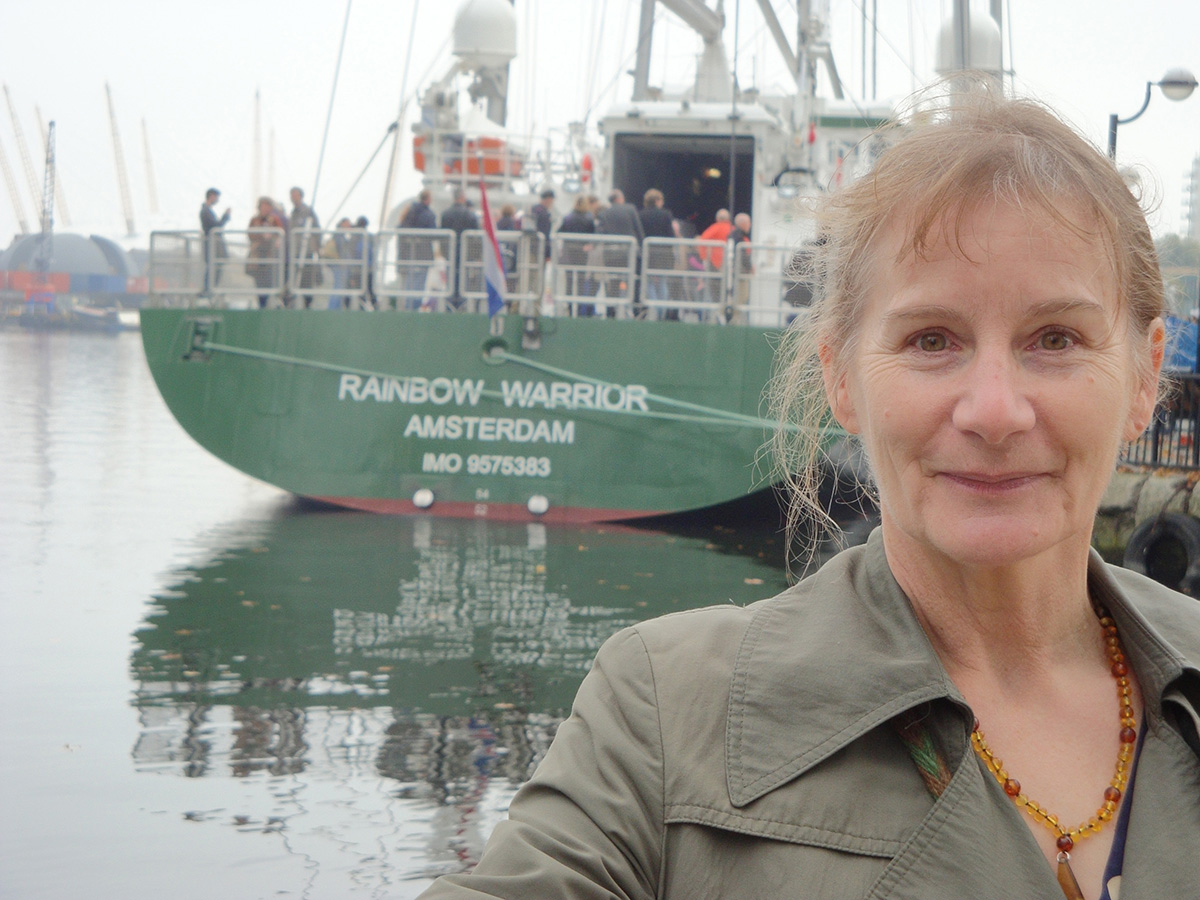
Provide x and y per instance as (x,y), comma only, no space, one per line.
(1177,84)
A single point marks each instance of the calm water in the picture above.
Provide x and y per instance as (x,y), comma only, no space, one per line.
(210,690)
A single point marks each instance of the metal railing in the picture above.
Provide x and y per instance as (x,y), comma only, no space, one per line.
(1172,440)
(679,281)
(593,274)
(177,267)
(522,255)
(437,270)
(413,268)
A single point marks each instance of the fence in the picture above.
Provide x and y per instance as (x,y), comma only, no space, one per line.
(522,255)
(437,270)
(413,268)
(1171,440)
(176,270)
(594,274)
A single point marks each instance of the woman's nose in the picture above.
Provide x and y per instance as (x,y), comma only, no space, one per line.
(993,401)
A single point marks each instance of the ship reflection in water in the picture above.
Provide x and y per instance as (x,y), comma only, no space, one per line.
(392,681)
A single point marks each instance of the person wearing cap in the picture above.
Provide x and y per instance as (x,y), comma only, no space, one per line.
(208,222)
(541,217)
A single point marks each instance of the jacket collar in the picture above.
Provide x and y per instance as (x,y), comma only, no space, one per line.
(842,652)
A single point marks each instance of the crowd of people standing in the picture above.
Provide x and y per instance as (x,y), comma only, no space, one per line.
(342,253)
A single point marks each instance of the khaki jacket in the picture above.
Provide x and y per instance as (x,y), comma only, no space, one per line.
(746,753)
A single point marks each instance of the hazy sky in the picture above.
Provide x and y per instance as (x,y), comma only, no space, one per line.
(189,72)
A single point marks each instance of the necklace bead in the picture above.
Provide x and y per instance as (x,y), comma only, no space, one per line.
(1067,837)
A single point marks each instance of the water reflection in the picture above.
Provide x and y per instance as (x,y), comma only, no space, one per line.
(409,671)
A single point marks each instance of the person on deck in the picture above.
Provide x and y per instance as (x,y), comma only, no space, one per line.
(659,222)
(214,241)
(306,244)
(543,219)
(620,218)
(414,255)
(458,218)
(714,257)
(973,704)
(577,281)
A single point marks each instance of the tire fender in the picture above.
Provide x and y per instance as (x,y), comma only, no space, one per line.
(1166,548)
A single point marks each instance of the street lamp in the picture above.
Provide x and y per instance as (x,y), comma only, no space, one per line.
(1177,84)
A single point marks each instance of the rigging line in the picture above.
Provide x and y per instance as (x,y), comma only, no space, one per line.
(337,70)
(382,141)
(621,70)
(708,415)
(900,56)
(387,184)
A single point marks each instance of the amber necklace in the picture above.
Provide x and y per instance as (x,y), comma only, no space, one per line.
(1067,837)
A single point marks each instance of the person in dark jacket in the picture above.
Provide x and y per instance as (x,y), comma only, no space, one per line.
(542,217)
(659,222)
(413,253)
(458,218)
(574,256)
(620,218)
(214,244)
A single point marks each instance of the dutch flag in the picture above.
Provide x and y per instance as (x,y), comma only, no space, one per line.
(493,270)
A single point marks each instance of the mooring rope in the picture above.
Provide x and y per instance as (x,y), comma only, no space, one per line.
(704,415)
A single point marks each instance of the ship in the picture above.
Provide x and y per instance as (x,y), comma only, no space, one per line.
(619,380)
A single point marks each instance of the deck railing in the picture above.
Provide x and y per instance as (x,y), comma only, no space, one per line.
(437,270)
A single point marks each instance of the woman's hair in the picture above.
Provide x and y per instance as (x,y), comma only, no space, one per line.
(582,204)
(942,162)
(652,197)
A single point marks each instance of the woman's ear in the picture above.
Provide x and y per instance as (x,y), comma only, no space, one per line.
(1145,395)
(837,391)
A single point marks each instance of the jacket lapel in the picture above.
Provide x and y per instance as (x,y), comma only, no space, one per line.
(842,653)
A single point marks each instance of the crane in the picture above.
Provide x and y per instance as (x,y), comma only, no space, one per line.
(45,252)
(60,196)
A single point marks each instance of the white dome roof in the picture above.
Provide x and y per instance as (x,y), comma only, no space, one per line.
(485,33)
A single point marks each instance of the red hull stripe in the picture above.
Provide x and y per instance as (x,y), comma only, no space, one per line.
(500,512)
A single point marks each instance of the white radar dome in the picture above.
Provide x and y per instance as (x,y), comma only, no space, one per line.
(983,52)
(485,33)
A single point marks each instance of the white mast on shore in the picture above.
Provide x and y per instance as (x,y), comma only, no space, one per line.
(13,193)
(31,179)
(119,158)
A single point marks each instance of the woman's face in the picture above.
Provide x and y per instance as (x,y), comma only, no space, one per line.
(992,386)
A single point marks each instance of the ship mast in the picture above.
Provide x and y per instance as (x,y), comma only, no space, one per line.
(119,158)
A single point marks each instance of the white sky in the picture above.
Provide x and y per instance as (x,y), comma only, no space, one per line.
(190,71)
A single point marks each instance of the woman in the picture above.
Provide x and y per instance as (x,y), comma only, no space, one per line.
(573,258)
(972,704)
(265,255)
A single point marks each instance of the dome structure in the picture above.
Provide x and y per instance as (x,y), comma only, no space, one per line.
(485,33)
(74,254)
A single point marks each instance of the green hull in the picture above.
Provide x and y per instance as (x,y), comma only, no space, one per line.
(400,411)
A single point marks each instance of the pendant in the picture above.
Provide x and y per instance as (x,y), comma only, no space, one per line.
(1066,878)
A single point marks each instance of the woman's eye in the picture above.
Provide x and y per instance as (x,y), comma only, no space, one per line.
(1054,340)
(932,342)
